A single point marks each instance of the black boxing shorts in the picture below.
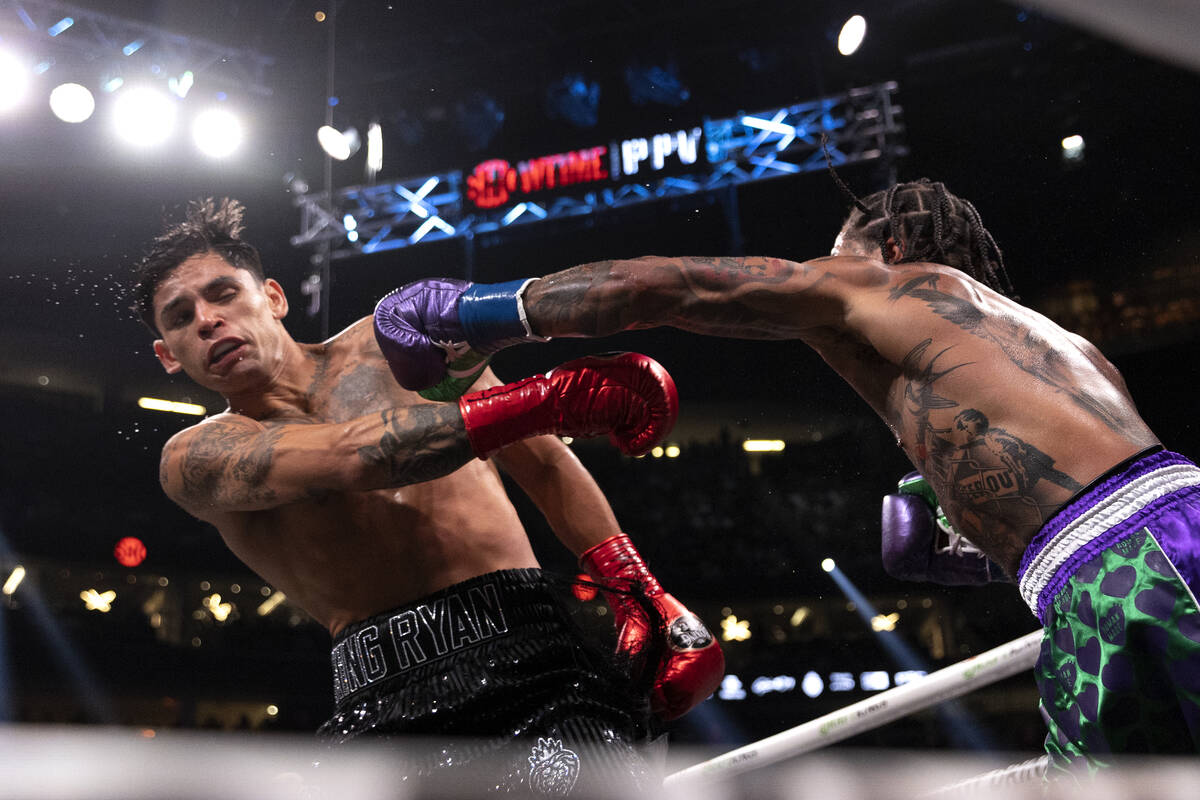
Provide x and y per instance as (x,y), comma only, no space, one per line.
(489,682)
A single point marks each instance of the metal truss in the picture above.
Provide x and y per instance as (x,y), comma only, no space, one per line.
(861,125)
(59,28)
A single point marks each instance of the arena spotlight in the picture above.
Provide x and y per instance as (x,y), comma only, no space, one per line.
(338,145)
(217,132)
(72,102)
(143,117)
(1072,148)
(374,150)
(854,30)
(14,580)
(828,565)
(14,80)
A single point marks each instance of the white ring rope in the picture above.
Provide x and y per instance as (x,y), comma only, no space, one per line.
(945,684)
(1033,769)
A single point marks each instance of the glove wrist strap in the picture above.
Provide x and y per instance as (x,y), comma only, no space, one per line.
(493,317)
(616,557)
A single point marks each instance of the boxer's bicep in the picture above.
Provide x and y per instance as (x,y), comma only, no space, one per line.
(221,466)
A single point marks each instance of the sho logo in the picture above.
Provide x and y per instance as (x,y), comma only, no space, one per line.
(553,769)
(688,633)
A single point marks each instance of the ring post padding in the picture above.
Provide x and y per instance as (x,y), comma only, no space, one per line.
(945,684)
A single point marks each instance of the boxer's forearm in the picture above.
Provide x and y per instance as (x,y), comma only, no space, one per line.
(750,298)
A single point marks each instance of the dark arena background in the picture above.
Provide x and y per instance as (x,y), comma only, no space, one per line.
(498,140)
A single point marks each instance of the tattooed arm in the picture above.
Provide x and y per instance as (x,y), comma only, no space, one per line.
(750,298)
(234,463)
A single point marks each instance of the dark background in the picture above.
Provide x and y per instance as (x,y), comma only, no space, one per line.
(1105,246)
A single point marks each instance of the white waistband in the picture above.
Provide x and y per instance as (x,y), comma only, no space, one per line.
(1106,513)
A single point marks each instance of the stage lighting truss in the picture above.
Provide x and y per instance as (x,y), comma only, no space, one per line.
(60,29)
(861,125)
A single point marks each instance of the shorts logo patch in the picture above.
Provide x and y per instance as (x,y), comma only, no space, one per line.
(553,769)
(1062,601)
(1128,548)
(688,633)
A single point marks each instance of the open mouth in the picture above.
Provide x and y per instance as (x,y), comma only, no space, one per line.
(223,351)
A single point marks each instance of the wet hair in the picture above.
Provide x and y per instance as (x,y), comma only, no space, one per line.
(210,226)
(930,224)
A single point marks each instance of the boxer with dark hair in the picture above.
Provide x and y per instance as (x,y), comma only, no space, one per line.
(383,516)
(1024,432)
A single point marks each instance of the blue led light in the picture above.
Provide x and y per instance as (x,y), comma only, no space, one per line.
(60,26)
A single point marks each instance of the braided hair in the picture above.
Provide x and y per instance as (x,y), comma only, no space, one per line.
(210,226)
(931,224)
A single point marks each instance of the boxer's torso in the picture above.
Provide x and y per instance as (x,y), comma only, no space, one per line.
(1006,414)
(343,556)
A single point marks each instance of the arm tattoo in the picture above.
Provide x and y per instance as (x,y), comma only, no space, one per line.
(743,297)
(419,443)
(223,465)
(1024,348)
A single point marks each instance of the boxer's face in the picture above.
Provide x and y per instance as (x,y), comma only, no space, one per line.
(219,324)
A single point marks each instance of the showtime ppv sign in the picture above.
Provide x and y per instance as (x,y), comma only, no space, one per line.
(497,182)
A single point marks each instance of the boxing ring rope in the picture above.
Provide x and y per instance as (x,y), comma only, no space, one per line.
(953,681)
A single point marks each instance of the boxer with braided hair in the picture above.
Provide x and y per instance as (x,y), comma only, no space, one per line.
(1027,442)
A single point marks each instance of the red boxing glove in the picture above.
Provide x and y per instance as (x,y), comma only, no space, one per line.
(691,664)
(628,396)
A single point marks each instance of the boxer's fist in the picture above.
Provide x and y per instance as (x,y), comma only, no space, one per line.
(627,396)
(438,333)
(419,332)
(669,645)
(919,544)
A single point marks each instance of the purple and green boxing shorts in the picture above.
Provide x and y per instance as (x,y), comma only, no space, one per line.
(1113,577)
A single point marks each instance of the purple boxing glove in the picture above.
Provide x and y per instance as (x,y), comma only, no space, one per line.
(438,333)
(419,332)
(920,545)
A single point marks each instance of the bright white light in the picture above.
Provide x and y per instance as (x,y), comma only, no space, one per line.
(851,37)
(763,445)
(98,601)
(812,685)
(1072,147)
(271,603)
(71,102)
(219,610)
(154,404)
(884,622)
(873,681)
(337,144)
(217,132)
(14,80)
(731,688)
(828,565)
(14,580)
(734,629)
(374,147)
(672,451)
(143,116)
(909,675)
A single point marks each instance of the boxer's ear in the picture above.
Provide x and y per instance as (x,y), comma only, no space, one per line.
(169,362)
(276,297)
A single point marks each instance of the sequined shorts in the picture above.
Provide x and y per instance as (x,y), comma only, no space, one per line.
(1113,578)
(491,677)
